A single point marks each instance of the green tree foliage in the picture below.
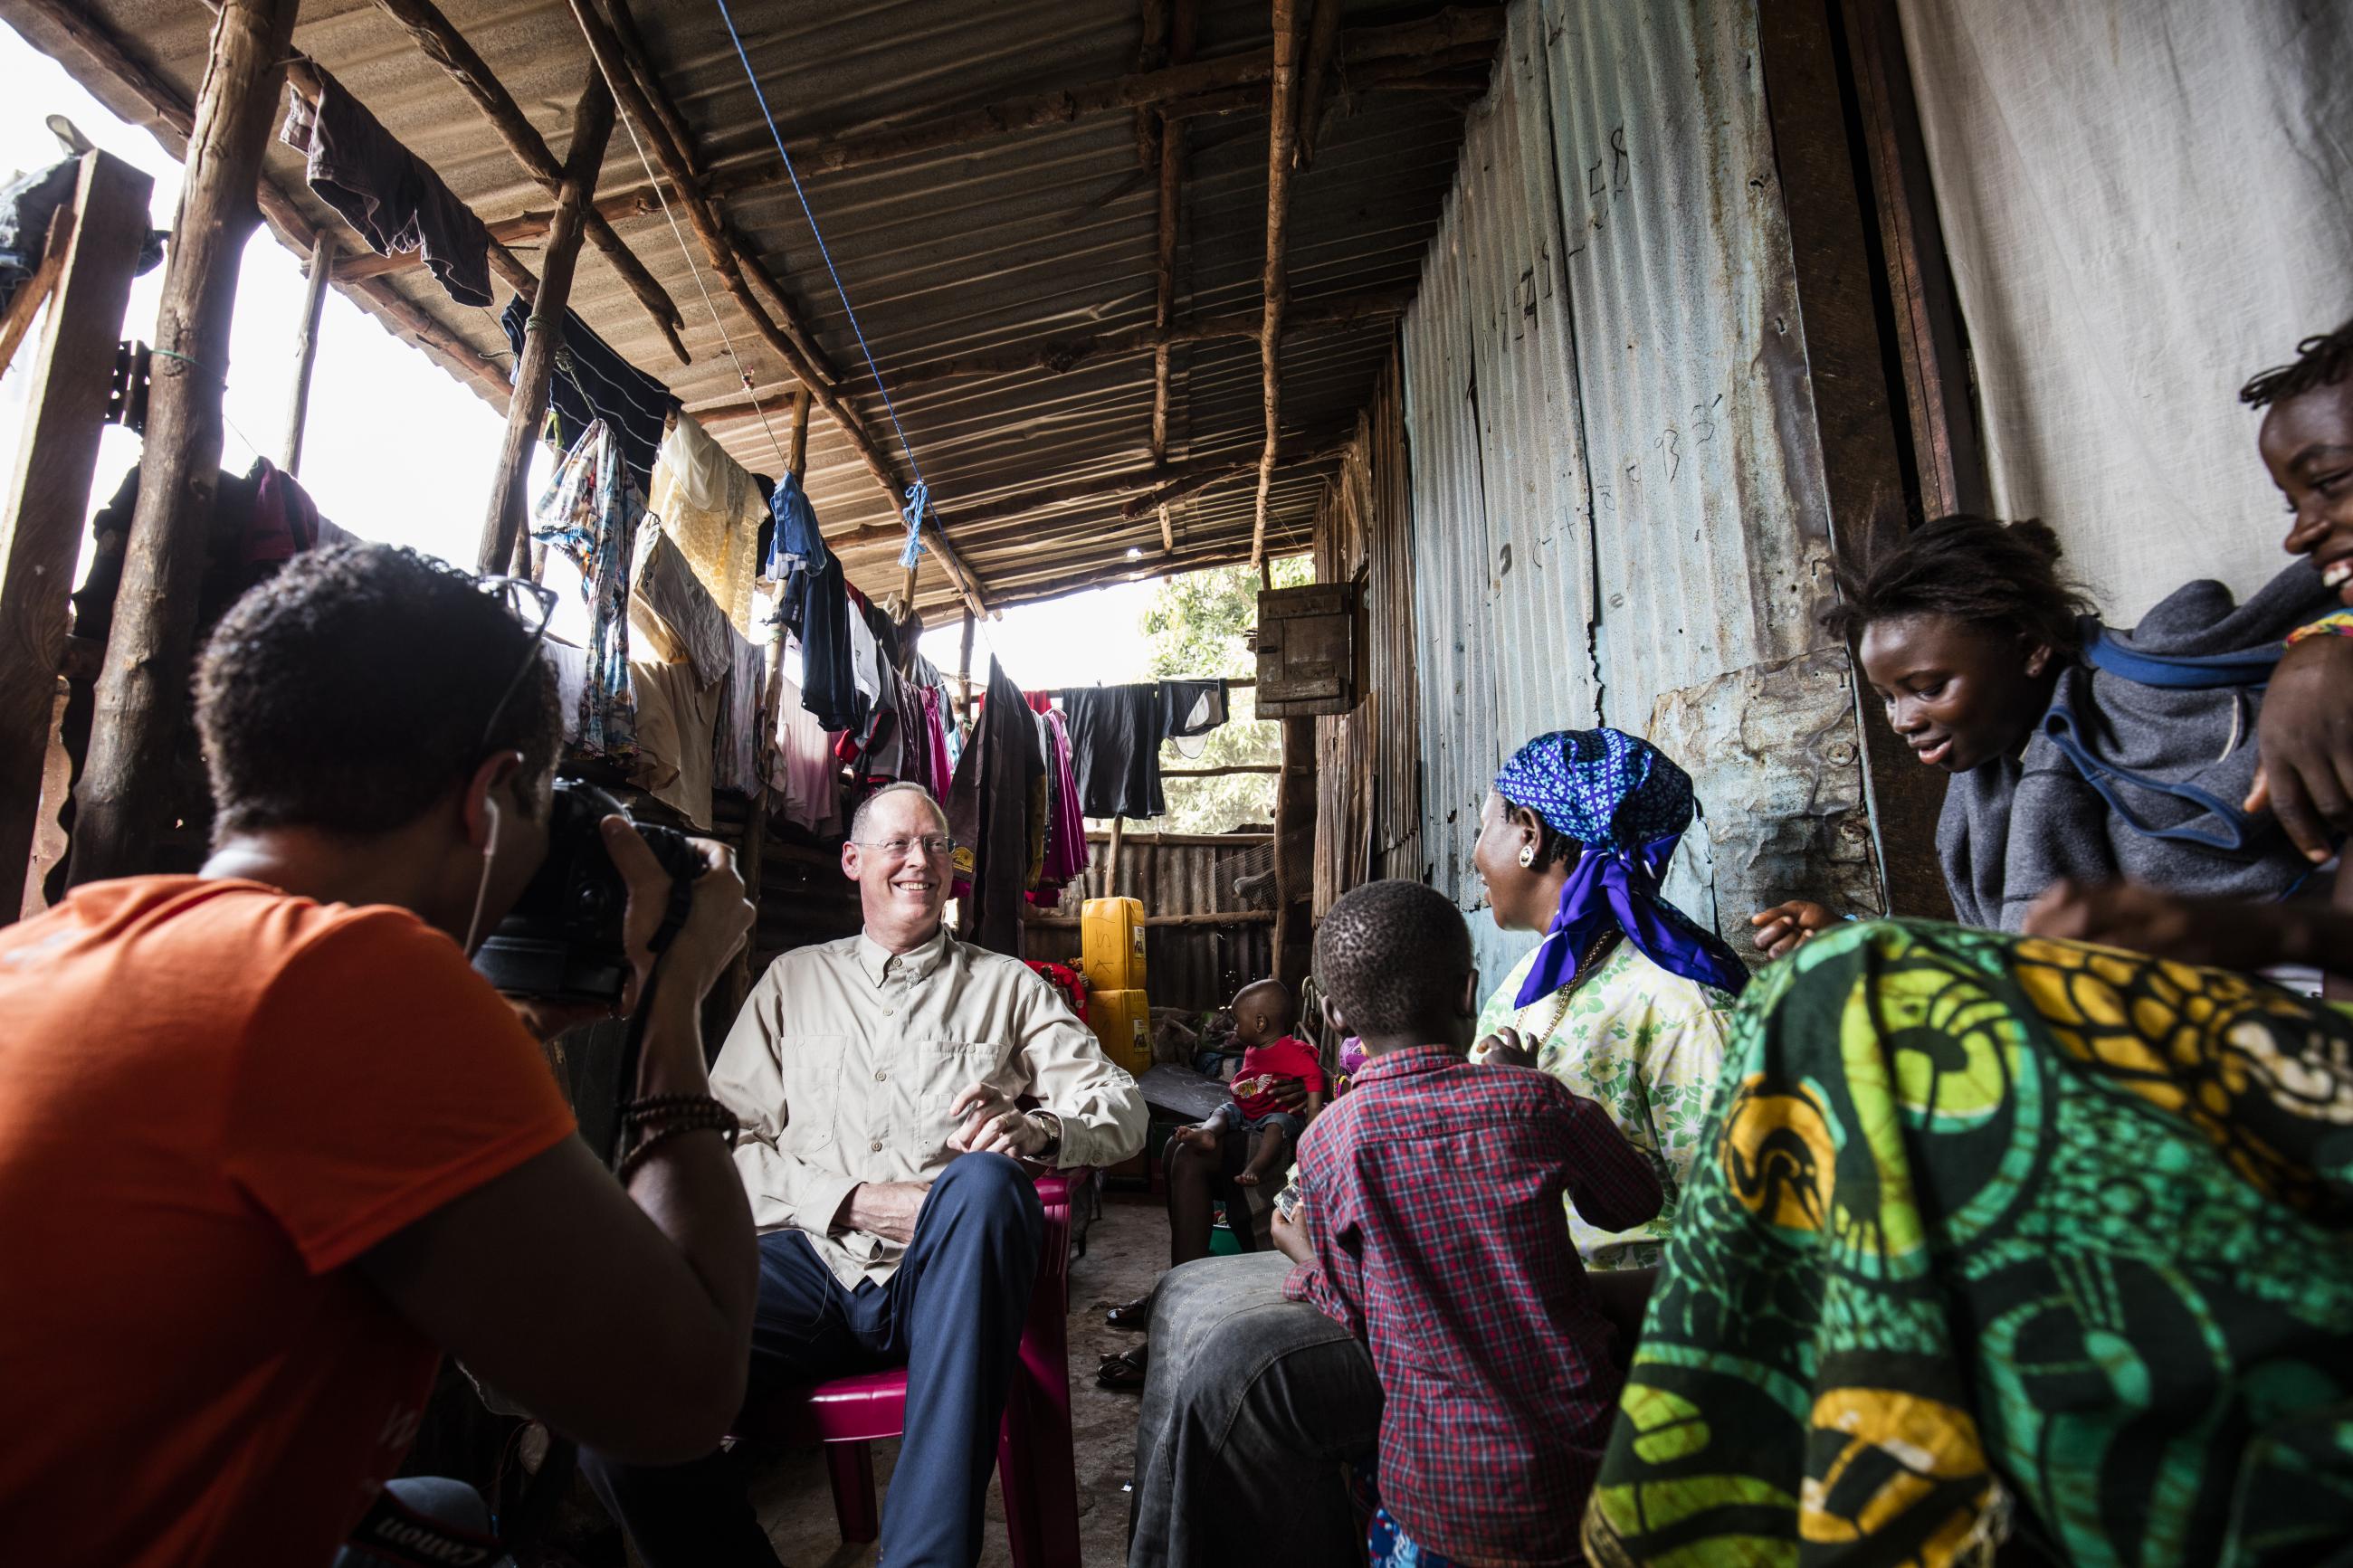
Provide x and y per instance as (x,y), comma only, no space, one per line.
(1196,624)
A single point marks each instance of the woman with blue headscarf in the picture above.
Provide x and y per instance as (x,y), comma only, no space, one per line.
(1627,999)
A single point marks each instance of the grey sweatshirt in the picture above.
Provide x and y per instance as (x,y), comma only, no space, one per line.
(2113,750)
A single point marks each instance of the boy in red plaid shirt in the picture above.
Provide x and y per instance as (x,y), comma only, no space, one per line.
(1430,1222)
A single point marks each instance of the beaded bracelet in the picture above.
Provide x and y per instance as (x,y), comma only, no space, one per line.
(668,1115)
(2337,624)
(654,1140)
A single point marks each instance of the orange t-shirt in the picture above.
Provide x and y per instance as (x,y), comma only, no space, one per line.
(212,1097)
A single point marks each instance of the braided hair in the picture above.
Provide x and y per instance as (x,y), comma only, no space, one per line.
(2320,361)
(1975,569)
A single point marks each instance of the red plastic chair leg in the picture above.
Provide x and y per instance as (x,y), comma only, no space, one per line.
(850,1467)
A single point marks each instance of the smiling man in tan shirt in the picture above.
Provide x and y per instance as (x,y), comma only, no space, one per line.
(877,1078)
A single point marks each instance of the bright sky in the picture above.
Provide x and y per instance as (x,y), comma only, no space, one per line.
(395,449)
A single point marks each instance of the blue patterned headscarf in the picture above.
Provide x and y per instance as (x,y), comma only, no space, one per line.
(1626,804)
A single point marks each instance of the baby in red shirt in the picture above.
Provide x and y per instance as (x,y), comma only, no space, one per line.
(1263,1011)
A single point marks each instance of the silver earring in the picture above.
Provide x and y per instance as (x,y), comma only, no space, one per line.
(1527,856)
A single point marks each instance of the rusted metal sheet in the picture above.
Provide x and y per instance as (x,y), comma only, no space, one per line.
(1605,375)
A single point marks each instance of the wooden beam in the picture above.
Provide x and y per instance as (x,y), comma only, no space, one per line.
(174,121)
(1182,34)
(143,690)
(1210,919)
(642,66)
(1282,131)
(1013,592)
(320,267)
(543,340)
(1057,356)
(1323,44)
(92,251)
(796,436)
(1237,768)
(34,292)
(446,47)
(1215,471)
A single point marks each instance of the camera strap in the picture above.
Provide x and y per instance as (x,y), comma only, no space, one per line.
(674,917)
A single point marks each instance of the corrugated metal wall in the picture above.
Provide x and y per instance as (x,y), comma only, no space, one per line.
(1369,762)
(1618,513)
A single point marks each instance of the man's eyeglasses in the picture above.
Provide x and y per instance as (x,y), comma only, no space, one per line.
(934,845)
(532,607)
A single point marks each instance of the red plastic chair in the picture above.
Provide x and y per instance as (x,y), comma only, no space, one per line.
(1034,1461)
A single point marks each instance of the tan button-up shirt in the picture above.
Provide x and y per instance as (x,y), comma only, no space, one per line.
(845,1059)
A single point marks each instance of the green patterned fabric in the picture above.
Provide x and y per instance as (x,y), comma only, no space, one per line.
(1999,1236)
(1648,1045)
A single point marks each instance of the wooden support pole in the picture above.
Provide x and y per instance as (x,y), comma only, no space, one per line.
(94,248)
(544,336)
(796,436)
(1294,851)
(321,268)
(1323,44)
(1281,137)
(1110,857)
(1183,30)
(143,689)
(964,667)
(446,47)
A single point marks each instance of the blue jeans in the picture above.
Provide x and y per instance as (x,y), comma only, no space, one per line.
(952,1316)
(1293,1125)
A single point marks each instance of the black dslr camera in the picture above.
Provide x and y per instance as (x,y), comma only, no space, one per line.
(563,939)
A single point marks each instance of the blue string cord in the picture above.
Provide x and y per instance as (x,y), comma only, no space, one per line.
(919,493)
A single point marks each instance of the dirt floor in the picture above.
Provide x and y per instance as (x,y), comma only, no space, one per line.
(1127,1248)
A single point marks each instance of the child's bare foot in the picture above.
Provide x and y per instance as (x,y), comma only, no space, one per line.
(1266,1155)
(1199,1137)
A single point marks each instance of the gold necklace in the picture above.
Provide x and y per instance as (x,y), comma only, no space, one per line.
(1566,993)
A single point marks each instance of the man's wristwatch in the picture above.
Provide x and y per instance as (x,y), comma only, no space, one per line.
(1053,1125)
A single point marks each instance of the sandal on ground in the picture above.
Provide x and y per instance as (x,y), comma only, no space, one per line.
(1123,1372)
(1133,1315)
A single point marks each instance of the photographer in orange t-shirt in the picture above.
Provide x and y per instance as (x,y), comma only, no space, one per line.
(268,1146)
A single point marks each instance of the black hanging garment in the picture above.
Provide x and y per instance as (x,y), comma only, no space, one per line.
(593,383)
(1116,732)
(395,201)
(988,815)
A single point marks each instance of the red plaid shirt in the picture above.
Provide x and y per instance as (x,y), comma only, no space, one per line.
(1431,1196)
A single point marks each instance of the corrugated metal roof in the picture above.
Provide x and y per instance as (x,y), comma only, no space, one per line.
(1040,234)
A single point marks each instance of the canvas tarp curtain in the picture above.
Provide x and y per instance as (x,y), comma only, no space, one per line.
(2144,202)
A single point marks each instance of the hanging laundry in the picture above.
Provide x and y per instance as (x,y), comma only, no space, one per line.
(709,504)
(1116,732)
(802,771)
(593,383)
(795,548)
(571,667)
(677,717)
(988,815)
(588,511)
(673,615)
(391,197)
(1189,709)
(737,762)
(1066,827)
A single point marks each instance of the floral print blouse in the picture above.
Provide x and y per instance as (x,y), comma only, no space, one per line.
(1647,1045)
